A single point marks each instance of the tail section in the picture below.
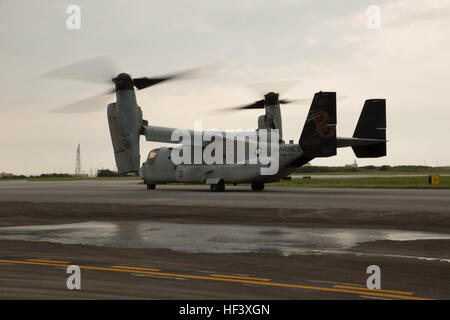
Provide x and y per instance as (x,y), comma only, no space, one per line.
(318,138)
(371,127)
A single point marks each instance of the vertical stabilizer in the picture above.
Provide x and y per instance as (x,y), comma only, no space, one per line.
(318,138)
(371,125)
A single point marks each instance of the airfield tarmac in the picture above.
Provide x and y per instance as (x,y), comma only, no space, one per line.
(184,242)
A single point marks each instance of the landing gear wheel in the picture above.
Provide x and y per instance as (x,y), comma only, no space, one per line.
(219,187)
(257,186)
(151,186)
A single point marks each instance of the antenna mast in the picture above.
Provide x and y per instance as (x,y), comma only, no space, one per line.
(78,163)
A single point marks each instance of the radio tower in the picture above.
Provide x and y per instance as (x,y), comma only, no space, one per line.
(78,164)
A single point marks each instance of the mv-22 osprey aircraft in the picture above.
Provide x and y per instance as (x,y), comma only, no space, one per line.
(318,138)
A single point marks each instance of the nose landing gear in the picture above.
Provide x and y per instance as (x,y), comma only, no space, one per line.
(257,186)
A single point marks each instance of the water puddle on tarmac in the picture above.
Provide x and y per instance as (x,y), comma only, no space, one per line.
(208,237)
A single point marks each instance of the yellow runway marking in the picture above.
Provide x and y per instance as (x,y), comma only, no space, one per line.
(188,276)
(51,261)
(36,263)
(374,290)
(136,268)
(239,277)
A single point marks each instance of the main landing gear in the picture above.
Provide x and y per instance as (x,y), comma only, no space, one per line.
(219,187)
(257,186)
(151,186)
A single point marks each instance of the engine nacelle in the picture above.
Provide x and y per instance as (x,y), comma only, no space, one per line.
(262,124)
(125,123)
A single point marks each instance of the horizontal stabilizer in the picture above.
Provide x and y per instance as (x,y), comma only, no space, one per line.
(357,142)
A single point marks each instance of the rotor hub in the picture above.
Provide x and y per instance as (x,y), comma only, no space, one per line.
(271,99)
(123,82)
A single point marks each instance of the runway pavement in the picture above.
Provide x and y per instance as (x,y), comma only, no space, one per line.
(359,176)
(130,191)
(184,242)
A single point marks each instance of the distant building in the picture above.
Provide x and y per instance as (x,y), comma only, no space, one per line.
(353,165)
(5,175)
(80,175)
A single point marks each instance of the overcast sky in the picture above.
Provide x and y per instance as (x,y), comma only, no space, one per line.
(325,45)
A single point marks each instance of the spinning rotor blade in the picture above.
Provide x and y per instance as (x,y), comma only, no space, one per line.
(98,69)
(256,105)
(308,101)
(260,104)
(91,104)
(263,89)
(297,101)
(142,83)
(201,72)
(280,86)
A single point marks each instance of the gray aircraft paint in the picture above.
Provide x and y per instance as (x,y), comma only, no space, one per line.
(125,121)
(126,126)
(161,169)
